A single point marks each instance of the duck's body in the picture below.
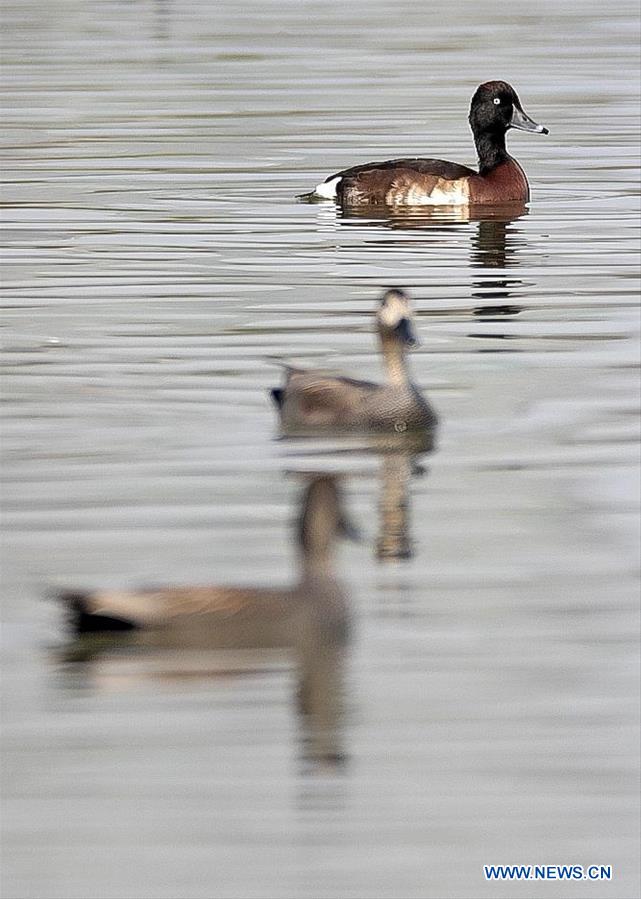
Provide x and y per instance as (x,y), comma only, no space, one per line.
(315,401)
(171,606)
(210,617)
(436,182)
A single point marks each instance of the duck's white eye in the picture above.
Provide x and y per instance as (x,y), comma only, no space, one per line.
(496,101)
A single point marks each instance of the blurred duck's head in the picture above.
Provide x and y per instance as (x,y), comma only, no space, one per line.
(394,318)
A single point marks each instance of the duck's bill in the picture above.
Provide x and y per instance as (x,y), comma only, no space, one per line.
(523,122)
(406,332)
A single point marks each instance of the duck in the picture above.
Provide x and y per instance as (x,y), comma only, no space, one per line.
(312,618)
(321,521)
(316,401)
(495,108)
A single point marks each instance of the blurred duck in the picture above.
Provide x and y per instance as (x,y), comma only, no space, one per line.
(316,401)
(495,108)
(169,608)
(311,618)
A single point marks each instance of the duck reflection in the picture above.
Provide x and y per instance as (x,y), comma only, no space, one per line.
(412,218)
(310,618)
(394,540)
(162,19)
(495,243)
(400,461)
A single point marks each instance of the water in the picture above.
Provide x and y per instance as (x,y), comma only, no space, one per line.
(155,264)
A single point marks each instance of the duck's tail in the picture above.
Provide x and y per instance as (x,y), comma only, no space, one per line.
(83,621)
(278,396)
(324,191)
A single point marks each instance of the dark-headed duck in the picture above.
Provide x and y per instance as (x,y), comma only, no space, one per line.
(495,108)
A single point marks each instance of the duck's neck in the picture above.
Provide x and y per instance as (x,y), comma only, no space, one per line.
(490,146)
(317,566)
(395,360)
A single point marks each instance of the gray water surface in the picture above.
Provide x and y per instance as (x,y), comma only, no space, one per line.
(156,263)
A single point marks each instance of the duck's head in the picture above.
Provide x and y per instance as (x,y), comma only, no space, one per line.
(496,107)
(394,317)
(322,517)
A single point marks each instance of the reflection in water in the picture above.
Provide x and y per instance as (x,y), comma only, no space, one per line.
(394,540)
(312,619)
(490,313)
(162,19)
(400,456)
(426,217)
(399,464)
(495,243)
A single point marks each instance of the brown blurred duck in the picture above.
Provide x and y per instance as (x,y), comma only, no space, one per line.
(210,607)
(317,401)
(310,617)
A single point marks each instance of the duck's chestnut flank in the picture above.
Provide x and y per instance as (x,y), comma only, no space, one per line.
(495,108)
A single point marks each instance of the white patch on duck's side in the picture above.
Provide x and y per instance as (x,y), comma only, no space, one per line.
(327,189)
(451,193)
(444,193)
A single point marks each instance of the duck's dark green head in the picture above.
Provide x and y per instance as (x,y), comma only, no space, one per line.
(496,107)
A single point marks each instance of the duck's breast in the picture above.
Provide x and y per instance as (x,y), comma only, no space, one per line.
(506,183)
(399,409)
